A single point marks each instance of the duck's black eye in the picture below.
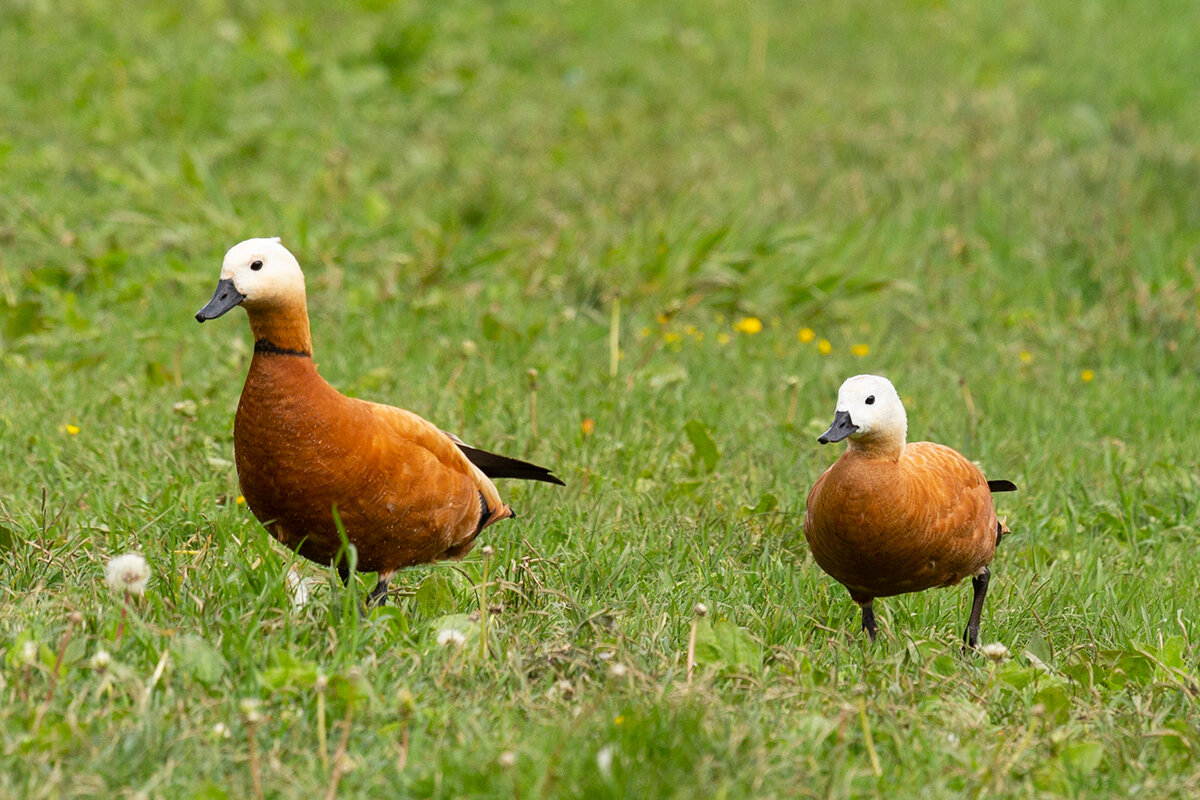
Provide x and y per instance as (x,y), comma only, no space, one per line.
(870,400)
(256,266)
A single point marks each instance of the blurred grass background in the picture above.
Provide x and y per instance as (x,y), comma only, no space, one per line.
(997,205)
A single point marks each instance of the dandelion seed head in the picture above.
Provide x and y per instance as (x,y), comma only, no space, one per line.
(451,637)
(30,651)
(618,670)
(487,551)
(995,651)
(128,573)
(101,660)
(251,708)
(604,760)
(700,610)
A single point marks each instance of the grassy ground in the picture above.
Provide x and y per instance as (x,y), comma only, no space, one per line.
(996,205)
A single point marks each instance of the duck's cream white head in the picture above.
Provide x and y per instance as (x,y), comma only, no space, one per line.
(256,273)
(869,413)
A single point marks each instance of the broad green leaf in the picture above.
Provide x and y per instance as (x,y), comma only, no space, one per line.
(726,645)
(704,449)
(435,595)
(196,657)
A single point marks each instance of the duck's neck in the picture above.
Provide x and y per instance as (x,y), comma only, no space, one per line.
(281,330)
(888,448)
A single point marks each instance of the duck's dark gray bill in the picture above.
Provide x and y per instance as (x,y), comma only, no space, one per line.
(223,299)
(840,429)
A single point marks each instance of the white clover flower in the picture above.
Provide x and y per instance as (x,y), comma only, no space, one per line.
(221,731)
(507,759)
(451,637)
(128,573)
(995,651)
(101,659)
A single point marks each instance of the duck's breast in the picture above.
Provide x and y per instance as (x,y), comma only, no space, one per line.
(302,449)
(884,527)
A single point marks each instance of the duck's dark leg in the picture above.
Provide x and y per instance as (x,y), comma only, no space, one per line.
(375,597)
(980,584)
(868,616)
(378,595)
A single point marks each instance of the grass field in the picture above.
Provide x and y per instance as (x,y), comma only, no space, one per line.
(996,205)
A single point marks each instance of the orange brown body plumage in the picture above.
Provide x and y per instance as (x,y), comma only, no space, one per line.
(404,491)
(890,517)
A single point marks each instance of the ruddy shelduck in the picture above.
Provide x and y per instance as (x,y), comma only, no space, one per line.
(404,491)
(891,517)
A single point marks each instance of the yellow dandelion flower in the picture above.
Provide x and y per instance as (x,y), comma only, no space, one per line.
(806,335)
(824,347)
(860,350)
(588,426)
(693,331)
(672,338)
(618,719)
(644,333)
(661,319)
(748,325)
(71,429)
(723,338)
(1025,356)
(241,500)
(1087,375)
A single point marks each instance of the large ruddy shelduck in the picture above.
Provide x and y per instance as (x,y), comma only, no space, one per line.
(890,518)
(405,491)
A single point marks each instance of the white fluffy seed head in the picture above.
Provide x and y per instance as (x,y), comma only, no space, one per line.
(995,651)
(128,573)
(101,659)
(451,637)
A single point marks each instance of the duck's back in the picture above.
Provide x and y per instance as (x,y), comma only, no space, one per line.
(403,491)
(883,527)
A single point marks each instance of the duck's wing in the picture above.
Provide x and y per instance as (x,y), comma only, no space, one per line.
(408,431)
(952,493)
(495,465)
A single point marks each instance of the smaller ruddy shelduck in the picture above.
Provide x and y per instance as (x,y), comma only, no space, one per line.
(891,517)
(405,491)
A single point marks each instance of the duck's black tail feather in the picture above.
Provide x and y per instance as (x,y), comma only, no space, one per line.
(1002,486)
(497,466)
